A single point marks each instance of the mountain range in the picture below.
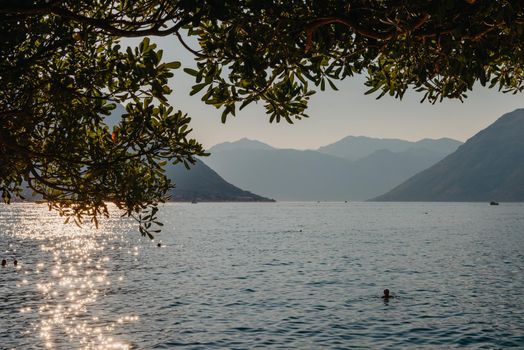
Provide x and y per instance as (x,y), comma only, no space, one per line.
(354,168)
(488,167)
(357,147)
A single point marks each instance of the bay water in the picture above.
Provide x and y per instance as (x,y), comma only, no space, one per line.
(267,275)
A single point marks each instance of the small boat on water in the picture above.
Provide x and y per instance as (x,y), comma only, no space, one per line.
(194,201)
(493,203)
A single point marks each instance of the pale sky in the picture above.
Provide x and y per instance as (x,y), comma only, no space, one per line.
(336,114)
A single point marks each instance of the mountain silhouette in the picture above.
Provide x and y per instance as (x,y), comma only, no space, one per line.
(357,147)
(244,143)
(201,183)
(289,174)
(489,166)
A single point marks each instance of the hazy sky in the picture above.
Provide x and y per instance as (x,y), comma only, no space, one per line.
(336,114)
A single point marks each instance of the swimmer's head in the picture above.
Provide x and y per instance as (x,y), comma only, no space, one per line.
(386,292)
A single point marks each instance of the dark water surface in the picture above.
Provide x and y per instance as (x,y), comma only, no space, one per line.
(271,275)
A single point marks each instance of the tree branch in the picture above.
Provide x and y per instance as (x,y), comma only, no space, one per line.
(105,26)
(188,48)
(320,22)
(102,24)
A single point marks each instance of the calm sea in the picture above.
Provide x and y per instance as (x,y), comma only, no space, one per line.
(269,276)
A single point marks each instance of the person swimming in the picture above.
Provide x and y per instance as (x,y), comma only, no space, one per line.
(159,245)
(386,295)
(4,262)
(15,262)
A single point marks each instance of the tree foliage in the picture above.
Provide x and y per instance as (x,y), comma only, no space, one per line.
(280,52)
(62,71)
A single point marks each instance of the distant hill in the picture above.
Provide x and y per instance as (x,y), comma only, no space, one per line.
(240,144)
(201,183)
(357,147)
(383,170)
(489,166)
(288,174)
(443,145)
(284,174)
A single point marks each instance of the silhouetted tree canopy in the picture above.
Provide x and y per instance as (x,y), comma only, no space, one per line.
(62,71)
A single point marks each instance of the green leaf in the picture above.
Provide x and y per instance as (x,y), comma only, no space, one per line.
(332,85)
(172,65)
(224,116)
(191,71)
(372,90)
(196,88)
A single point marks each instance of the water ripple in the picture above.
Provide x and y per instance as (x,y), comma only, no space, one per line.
(279,276)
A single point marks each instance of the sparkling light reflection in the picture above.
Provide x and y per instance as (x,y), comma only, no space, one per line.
(71,276)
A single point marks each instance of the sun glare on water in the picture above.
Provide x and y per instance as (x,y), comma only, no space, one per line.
(67,281)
